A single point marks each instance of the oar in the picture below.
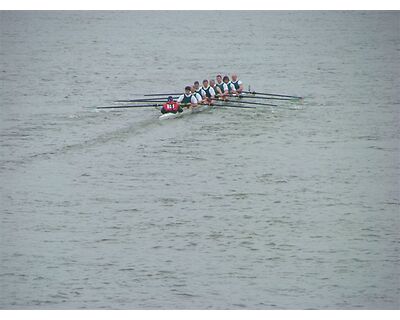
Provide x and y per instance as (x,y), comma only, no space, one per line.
(273,94)
(253,97)
(143,100)
(222,105)
(257,103)
(161,94)
(245,95)
(131,106)
(233,106)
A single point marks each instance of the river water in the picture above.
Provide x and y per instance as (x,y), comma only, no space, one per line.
(295,207)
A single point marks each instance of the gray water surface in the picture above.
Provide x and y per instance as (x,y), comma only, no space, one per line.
(295,207)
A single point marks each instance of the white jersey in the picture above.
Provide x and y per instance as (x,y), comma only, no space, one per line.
(237,84)
(198,97)
(192,99)
(210,90)
(201,92)
(228,87)
(232,87)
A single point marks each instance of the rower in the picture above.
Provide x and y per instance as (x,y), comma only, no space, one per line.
(209,93)
(229,88)
(171,106)
(220,85)
(198,96)
(200,91)
(225,86)
(237,83)
(187,99)
(217,90)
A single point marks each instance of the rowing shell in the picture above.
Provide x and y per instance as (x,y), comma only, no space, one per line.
(199,108)
(186,111)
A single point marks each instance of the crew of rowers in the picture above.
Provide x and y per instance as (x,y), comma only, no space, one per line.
(210,91)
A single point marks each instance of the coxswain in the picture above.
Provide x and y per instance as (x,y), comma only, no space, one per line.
(209,93)
(187,99)
(171,106)
(237,83)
